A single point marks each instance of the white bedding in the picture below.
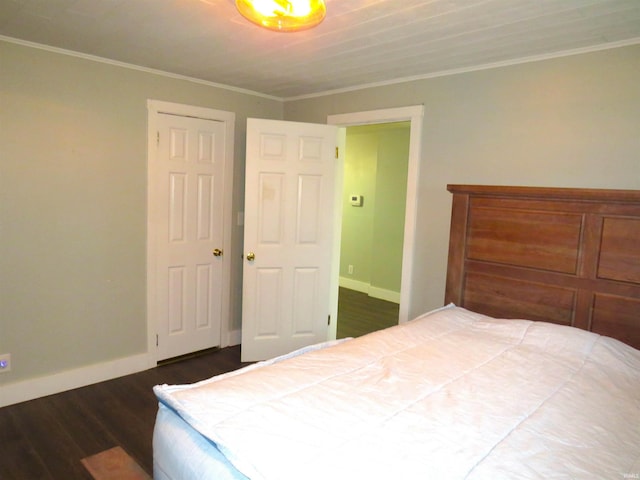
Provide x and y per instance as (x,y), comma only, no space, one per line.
(452,394)
(181,453)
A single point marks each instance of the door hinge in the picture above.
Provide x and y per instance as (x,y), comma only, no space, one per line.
(337,152)
(329,320)
(158,137)
(156,339)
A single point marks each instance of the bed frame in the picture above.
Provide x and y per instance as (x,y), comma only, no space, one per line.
(562,255)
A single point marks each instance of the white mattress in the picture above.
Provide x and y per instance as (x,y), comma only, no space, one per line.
(449,395)
(181,453)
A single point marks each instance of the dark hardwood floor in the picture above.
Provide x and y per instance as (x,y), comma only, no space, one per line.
(46,438)
(359,314)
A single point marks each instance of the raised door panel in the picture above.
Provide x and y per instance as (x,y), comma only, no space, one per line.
(176,299)
(308,211)
(177,207)
(268,303)
(271,209)
(204,296)
(305,301)
(205,208)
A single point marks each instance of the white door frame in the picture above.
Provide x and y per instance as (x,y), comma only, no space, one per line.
(414,114)
(154,108)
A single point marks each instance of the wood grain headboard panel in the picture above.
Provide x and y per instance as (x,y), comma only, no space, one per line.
(562,255)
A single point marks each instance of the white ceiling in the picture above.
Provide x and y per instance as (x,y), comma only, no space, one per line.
(361,42)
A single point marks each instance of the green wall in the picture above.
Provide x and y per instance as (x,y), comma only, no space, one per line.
(376,162)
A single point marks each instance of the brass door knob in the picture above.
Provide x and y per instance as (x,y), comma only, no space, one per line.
(251,256)
(217,252)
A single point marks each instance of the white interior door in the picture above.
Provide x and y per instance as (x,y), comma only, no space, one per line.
(188,225)
(288,239)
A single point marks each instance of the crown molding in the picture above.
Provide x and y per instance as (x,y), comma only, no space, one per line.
(457,71)
(138,68)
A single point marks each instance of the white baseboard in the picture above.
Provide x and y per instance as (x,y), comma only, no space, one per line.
(375,292)
(352,284)
(382,294)
(42,386)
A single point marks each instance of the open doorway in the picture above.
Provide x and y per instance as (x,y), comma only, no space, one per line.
(413,115)
(376,160)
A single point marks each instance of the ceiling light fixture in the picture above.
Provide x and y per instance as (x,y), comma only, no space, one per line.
(283,15)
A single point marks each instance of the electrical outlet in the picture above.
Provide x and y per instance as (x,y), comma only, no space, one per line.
(350,269)
(5,362)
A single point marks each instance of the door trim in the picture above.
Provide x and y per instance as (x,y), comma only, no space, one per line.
(415,115)
(154,108)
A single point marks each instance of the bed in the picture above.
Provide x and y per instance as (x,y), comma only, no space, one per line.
(560,255)
(529,371)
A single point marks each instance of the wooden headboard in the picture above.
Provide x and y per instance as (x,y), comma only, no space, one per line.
(561,255)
